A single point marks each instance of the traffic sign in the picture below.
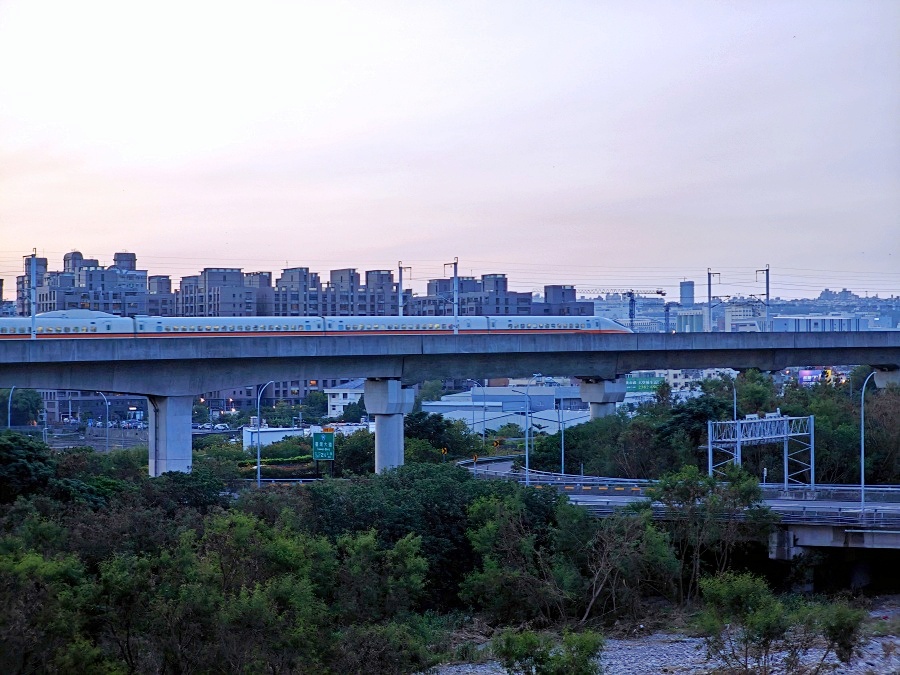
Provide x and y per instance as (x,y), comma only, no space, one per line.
(323,445)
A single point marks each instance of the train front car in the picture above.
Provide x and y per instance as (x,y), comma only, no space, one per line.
(73,323)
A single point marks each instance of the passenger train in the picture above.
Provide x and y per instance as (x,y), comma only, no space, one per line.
(89,324)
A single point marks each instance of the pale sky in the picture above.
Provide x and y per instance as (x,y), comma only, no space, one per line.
(628,144)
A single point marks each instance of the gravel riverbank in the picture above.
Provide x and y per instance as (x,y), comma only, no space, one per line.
(662,653)
(678,654)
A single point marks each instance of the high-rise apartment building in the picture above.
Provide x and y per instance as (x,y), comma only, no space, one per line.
(83,283)
(224,291)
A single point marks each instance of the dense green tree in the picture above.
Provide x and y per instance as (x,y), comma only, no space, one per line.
(27,405)
(709,516)
(441,433)
(420,450)
(354,412)
(354,454)
(315,407)
(514,581)
(430,390)
(25,466)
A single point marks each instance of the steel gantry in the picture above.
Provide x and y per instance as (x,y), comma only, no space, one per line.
(630,293)
(796,435)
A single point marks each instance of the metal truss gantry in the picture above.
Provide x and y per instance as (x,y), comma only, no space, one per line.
(795,434)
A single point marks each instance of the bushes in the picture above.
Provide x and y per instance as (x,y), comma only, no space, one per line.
(530,653)
(749,630)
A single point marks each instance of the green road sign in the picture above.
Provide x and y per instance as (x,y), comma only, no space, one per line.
(323,446)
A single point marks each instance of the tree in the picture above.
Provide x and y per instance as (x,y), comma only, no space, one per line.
(25,466)
(27,405)
(744,622)
(430,390)
(440,432)
(748,629)
(354,412)
(315,406)
(354,454)
(709,516)
(515,580)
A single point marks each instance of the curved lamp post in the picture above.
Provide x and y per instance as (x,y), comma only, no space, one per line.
(483,405)
(259,433)
(9,407)
(862,445)
(106,400)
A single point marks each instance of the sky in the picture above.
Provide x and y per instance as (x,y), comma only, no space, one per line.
(602,144)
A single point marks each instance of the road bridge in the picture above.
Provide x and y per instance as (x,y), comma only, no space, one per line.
(829,516)
(170,370)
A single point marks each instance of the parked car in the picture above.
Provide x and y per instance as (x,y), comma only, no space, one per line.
(207,425)
(221,427)
(195,425)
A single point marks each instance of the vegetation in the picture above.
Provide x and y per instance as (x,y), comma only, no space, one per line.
(103,569)
(662,436)
(25,409)
(749,630)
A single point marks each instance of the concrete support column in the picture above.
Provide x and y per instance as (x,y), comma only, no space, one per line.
(170,433)
(388,401)
(602,395)
(884,378)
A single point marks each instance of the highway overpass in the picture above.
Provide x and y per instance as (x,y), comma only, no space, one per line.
(171,370)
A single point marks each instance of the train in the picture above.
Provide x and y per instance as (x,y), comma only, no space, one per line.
(87,324)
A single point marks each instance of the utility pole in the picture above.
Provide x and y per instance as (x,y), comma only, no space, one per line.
(767,295)
(400,287)
(455,264)
(33,289)
(709,275)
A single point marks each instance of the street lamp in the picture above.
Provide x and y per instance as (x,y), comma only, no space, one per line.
(9,407)
(862,445)
(258,433)
(106,400)
(534,377)
(733,384)
(483,407)
(561,421)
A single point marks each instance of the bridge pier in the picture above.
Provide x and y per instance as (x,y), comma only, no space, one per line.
(388,401)
(602,395)
(170,434)
(884,378)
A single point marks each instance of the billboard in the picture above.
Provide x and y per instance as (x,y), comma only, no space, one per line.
(808,378)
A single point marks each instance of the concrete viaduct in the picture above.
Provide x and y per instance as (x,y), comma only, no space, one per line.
(171,371)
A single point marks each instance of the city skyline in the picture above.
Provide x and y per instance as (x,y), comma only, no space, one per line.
(752,285)
(592,144)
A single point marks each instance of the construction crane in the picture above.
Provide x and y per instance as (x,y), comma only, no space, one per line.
(669,306)
(629,293)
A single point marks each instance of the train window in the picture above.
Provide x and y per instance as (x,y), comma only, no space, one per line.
(3,330)
(93,329)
